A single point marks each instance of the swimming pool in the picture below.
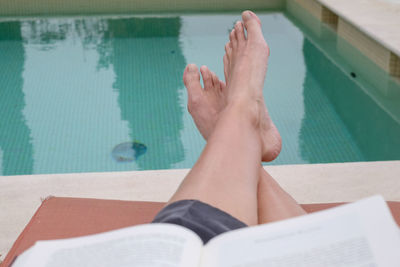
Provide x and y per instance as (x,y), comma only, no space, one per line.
(74,88)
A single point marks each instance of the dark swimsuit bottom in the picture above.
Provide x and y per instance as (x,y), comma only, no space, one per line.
(206,221)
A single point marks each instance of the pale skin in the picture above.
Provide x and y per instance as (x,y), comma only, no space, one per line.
(234,120)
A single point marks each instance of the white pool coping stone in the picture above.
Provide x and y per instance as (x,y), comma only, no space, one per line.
(379,19)
(20,196)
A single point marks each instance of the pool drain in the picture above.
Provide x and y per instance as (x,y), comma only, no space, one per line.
(128,151)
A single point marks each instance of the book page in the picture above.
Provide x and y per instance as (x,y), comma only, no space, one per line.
(149,245)
(357,234)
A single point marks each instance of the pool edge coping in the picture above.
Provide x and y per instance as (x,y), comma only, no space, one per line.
(368,25)
(364,27)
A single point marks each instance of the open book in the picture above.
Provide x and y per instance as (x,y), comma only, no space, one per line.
(362,233)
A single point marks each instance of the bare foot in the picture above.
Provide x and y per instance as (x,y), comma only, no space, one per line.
(204,104)
(245,66)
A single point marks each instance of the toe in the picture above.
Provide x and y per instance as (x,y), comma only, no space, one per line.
(207,77)
(215,80)
(232,39)
(239,32)
(191,79)
(252,24)
(226,66)
(228,50)
(222,85)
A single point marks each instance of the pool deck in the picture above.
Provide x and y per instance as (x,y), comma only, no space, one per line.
(20,196)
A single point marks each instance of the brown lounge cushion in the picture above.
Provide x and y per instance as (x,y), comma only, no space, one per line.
(60,217)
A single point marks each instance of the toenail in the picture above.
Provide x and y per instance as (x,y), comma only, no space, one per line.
(191,67)
(247,15)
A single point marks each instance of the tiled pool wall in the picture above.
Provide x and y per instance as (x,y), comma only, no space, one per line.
(382,56)
(370,66)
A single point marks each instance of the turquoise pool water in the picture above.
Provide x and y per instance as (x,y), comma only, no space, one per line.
(72,89)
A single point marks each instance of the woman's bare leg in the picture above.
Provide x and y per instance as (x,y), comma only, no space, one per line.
(226,174)
(205,105)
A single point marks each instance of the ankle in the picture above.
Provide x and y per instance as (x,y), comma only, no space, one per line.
(246,109)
